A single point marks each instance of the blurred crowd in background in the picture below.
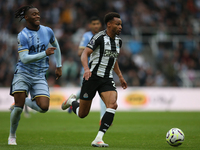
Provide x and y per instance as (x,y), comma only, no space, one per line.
(160,39)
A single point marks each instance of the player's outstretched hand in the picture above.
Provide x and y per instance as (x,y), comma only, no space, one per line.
(58,72)
(50,51)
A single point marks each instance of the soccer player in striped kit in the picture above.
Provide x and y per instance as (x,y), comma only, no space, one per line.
(95,26)
(103,50)
(29,76)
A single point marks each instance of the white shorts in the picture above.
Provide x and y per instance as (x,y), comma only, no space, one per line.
(37,86)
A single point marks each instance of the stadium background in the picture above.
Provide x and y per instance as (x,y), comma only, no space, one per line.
(161,47)
(159,60)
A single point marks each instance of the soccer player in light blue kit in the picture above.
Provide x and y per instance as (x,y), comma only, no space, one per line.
(95,26)
(29,76)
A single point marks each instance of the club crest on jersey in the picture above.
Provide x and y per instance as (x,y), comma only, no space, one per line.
(109,53)
(85,95)
(117,45)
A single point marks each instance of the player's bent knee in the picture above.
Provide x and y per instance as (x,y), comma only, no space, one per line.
(82,116)
(44,106)
(115,106)
(44,110)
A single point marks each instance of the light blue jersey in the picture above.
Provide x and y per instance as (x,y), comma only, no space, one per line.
(84,42)
(34,42)
(30,75)
(85,39)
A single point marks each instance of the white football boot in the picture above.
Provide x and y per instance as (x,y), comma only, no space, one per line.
(67,103)
(99,143)
(12,141)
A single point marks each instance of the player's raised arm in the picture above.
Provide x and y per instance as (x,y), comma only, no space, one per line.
(26,58)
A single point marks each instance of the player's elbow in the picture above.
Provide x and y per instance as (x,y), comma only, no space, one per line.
(79,54)
(24,61)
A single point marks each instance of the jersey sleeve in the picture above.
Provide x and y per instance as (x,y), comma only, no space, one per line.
(94,42)
(22,42)
(51,35)
(84,41)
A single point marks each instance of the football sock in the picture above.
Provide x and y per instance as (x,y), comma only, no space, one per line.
(75,107)
(106,122)
(33,105)
(99,136)
(14,120)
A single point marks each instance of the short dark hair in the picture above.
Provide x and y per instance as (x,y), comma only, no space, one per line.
(108,17)
(93,18)
(21,12)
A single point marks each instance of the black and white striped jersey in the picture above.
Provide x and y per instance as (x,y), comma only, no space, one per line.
(104,55)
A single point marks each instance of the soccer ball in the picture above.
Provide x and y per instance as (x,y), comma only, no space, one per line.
(175,137)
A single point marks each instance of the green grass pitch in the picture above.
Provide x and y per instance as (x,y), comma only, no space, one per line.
(130,130)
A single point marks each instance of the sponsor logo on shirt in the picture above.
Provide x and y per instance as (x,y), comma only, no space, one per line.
(109,53)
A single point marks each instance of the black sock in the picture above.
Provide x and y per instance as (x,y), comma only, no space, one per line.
(106,121)
(75,105)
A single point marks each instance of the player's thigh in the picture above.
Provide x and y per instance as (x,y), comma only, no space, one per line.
(20,89)
(84,107)
(40,92)
(108,93)
(109,98)
(19,98)
(39,88)
(89,88)
(20,83)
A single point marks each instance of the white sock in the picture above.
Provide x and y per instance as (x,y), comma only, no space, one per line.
(32,104)
(77,111)
(99,136)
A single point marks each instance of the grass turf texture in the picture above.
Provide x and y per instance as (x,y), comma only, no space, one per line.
(130,130)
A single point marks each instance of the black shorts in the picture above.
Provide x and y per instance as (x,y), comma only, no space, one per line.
(94,84)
